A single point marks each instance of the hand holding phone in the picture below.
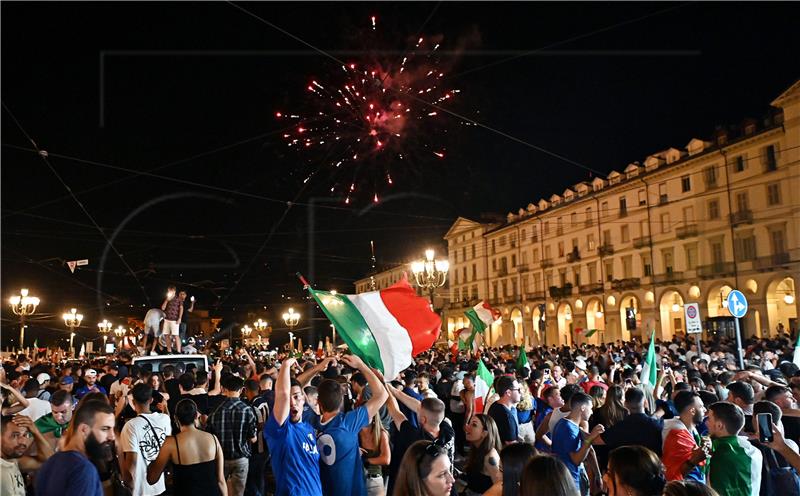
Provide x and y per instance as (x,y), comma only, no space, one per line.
(765,434)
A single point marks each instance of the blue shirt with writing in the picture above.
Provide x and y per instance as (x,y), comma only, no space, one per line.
(295,458)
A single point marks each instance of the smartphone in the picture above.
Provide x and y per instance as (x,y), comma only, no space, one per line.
(765,428)
(547,372)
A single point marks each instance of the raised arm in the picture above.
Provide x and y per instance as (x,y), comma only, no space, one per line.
(543,429)
(283,391)
(217,369)
(379,393)
(394,409)
(413,404)
(579,456)
(43,448)
(21,404)
(305,377)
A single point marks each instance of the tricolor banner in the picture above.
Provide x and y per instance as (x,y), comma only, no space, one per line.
(384,328)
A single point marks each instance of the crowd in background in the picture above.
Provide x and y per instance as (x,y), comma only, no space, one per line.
(559,421)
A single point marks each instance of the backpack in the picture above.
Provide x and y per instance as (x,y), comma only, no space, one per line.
(777,476)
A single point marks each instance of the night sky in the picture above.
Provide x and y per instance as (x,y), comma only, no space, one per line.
(160,117)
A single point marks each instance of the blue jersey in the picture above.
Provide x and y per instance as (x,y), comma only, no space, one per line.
(68,473)
(341,470)
(295,459)
(567,439)
(84,390)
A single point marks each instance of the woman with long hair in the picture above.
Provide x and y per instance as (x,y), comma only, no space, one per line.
(424,471)
(688,488)
(196,457)
(483,465)
(546,475)
(513,459)
(634,471)
(376,453)
(609,413)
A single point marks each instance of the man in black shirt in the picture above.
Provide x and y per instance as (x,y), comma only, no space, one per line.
(504,411)
(637,428)
(782,396)
(430,413)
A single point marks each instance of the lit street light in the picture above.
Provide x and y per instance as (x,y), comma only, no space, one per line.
(72,320)
(430,274)
(23,305)
(104,328)
(291,319)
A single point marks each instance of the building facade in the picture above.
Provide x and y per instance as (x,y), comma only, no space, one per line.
(620,255)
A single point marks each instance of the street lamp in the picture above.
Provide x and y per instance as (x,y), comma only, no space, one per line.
(23,305)
(291,319)
(260,325)
(72,320)
(104,328)
(430,274)
(246,330)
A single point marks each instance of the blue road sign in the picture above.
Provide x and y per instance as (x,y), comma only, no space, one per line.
(737,304)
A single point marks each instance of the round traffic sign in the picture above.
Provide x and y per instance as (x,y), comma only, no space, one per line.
(737,304)
(691,311)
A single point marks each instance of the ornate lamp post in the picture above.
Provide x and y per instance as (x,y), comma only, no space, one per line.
(23,305)
(430,274)
(260,326)
(291,319)
(104,328)
(72,320)
(120,333)
(246,330)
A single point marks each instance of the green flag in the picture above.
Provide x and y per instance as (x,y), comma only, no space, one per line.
(522,360)
(590,333)
(649,369)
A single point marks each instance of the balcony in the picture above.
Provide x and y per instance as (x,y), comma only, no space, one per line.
(586,289)
(742,217)
(771,261)
(629,283)
(502,271)
(563,292)
(547,262)
(606,250)
(522,268)
(623,212)
(641,242)
(667,277)
(539,295)
(573,256)
(686,231)
(512,299)
(715,270)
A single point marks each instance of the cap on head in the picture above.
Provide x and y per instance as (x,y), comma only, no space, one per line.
(42,378)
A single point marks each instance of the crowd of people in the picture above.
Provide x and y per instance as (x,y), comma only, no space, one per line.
(568,420)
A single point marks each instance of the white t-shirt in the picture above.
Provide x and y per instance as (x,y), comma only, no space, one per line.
(456,406)
(36,409)
(11,481)
(137,437)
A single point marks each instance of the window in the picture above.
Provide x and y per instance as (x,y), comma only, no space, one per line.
(589,219)
(523,236)
(771,161)
(713,209)
(536,254)
(610,270)
(573,219)
(547,252)
(524,260)
(504,264)
(576,275)
(607,237)
(774,194)
(668,258)
(716,252)
(455,256)
(560,248)
(627,268)
(642,197)
(562,277)
(623,206)
(590,241)
(513,287)
(688,215)
(502,240)
(536,281)
(777,240)
(494,290)
(513,261)
(463,274)
(739,164)
(534,234)
(665,223)
(686,184)
(643,228)
(647,265)
(592,269)
(559,227)
(746,247)
(474,292)
(473,251)
(504,283)
(546,228)
(494,264)
(574,243)
(662,193)
(493,248)
(513,239)
(474,272)
(464,254)
(626,235)
(710,176)
(456,274)
(742,203)
(604,209)
(691,256)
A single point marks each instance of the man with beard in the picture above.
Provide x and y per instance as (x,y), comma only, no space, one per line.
(53,425)
(684,450)
(16,439)
(70,471)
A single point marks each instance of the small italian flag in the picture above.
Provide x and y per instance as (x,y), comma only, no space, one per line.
(483,383)
(384,328)
(522,360)
(482,316)
(649,370)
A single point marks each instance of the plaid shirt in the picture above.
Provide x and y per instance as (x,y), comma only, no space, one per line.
(234,423)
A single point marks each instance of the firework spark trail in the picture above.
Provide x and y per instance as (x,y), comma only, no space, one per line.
(369,118)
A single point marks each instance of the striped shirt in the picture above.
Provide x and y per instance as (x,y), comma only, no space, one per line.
(235,424)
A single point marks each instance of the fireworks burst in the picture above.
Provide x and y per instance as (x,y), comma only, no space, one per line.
(373,117)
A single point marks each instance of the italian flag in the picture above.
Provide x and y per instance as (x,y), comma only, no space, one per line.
(649,371)
(384,328)
(483,383)
(482,316)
